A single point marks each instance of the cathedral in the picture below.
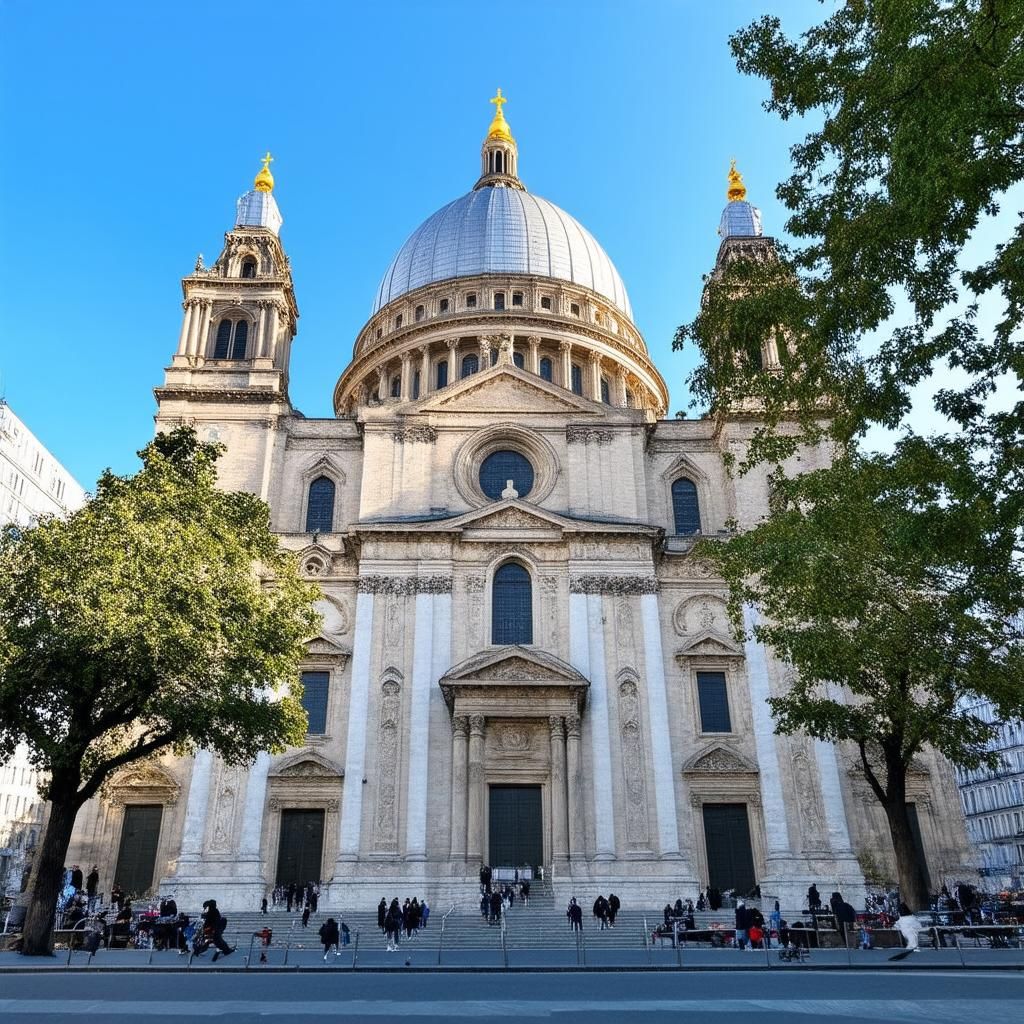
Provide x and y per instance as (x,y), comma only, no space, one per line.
(522,662)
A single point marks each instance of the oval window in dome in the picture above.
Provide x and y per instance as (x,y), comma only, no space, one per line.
(502,466)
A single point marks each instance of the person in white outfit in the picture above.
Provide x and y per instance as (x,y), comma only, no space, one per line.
(910,928)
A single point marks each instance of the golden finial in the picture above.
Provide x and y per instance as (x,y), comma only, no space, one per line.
(737,191)
(265,180)
(499,126)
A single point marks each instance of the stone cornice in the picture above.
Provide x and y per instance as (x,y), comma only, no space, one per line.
(220,394)
(405,585)
(608,583)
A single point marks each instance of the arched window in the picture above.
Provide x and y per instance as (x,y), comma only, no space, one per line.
(416,384)
(685,508)
(511,606)
(239,340)
(605,391)
(442,374)
(420,313)
(577,379)
(320,506)
(470,364)
(232,336)
(545,369)
(396,386)
(517,358)
(248,267)
(499,300)
(630,400)
(220,348)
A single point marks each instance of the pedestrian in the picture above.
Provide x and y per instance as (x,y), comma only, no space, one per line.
(485,904)
(92,882)
(575,916)
(601,911)
(910,928)
(382,912)
(742,924)
(263,905)
(305,916)
(290,896)
(424,913)
(329,936)
(214,924)
(392,926)
(813,898)
(774,923)
(614,905)
(76,878)
(495,917)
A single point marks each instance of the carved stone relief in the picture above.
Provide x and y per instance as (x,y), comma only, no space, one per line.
(386,824)
(812,823)
(549,592)
(633,764)
(405,584)
(705,613)
(608,584)
(394,622)
(576,433)
(625,639)
(223,820)
(415,435)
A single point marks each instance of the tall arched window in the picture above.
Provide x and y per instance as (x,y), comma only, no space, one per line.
(545,369)
(248,267)
(232,336)
(396,386)
(511,606)
(685,507)
(517,358)
(470,364)
(442,374)
(605,391)
(576,374)
(320,506)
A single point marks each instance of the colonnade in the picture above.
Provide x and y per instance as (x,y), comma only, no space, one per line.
(195,328)
(469,788)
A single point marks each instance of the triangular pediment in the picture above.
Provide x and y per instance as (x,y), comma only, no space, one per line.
(508,388)
(519,664)
(321,647)
(710,645)
(719,761)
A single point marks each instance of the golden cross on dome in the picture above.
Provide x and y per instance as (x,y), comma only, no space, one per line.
(737,191)
(265,180)
(497,101)
(267,160)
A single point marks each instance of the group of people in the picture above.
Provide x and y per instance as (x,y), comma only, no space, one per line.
(294,895)
(393,919)
(606,909)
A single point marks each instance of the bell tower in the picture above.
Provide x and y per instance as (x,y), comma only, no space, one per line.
(240,317)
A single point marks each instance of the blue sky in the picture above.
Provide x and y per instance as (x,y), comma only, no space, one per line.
(129,130)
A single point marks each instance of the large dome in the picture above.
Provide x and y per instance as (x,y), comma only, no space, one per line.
(502,230)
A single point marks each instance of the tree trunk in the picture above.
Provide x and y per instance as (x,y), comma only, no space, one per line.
(47,875)
(913,890)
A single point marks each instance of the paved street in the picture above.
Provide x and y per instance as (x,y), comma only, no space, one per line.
(939,997)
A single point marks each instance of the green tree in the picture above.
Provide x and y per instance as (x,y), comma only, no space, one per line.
(161,616)
(872,578)
(893,576)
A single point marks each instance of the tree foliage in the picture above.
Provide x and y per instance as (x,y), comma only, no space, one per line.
(161,616)
(874,579)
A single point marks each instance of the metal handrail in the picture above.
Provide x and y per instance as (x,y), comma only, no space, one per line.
(440,938)
(504,947)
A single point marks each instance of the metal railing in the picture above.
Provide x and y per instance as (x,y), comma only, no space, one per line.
(440,938)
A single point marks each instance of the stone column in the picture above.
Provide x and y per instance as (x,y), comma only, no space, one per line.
(559,832)
(485,353)
(475,842)
(186,325)
(252,812)
(533,359)
(460,739)
(453,346)
(577,844)
(382,383)
(195,316)
(594,361)
(350,826)
(619,398)
(205,308)
(419,726)
(600,729)
(260,341)
(425,382)
(565,348)
(196,808)
(270,347)
(406,392)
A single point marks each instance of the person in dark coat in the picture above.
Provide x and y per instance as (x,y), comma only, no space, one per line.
(382,912)
(495,917)
(76,878)
(668,915)
(305,916)
(214,924)
(743,921)
(601,911)
(290,896)
(576,916)
(92,882)
(614,905)
(813,898)
(714,898)
(393,926)
(329,935)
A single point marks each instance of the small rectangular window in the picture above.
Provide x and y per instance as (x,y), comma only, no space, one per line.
(577,379)
(471,300)
(443,307)
(714,702)
(574,309)
(517,298)
(314,701)
(499,300)
(380,332)
(398,321)
(442,374)
(545,302)
(420,312)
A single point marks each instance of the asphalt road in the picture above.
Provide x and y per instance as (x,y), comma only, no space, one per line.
(722,997)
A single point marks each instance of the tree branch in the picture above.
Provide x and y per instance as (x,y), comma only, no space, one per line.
(103,770)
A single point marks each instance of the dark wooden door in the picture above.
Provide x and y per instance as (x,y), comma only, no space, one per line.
(727,837)
(516,827)
(136,856)
(301,850)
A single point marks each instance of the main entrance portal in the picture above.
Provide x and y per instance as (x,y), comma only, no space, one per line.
(516,827)
(300,854)
(727,835)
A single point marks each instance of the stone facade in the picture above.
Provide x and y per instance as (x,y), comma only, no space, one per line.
(425,716)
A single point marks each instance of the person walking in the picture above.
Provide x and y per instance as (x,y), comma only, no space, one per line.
(614,906)
(92,882)
(424,913)
(329,936)
(495,917)
(263,905)
(743,921)
(601,911)
(910,928)
(290,896)
(305,916)
(392,926)
(382,912)
(214,924)
(813,898)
